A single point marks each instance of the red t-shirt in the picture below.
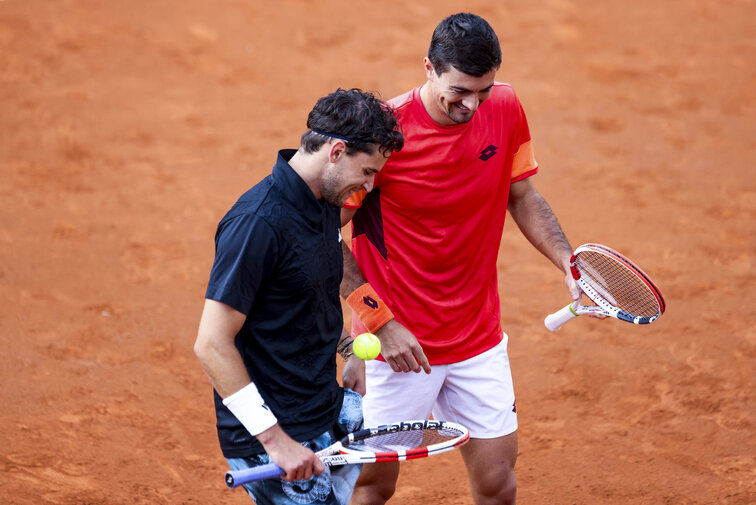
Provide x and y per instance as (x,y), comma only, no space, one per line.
(427,236)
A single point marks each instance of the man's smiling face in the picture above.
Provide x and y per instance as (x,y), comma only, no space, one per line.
(455,96)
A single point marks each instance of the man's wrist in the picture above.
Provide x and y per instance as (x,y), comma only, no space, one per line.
(345,348)
(372,312)
(269,436)
(250,409)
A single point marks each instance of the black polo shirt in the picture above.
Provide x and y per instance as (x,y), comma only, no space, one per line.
(278,260)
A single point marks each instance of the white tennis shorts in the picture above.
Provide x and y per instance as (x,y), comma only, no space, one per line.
(477,393)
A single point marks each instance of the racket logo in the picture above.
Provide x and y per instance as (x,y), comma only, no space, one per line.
(337,459)
(488,153)
(419,425)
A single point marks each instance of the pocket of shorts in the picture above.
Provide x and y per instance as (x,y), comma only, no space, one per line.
(350,417)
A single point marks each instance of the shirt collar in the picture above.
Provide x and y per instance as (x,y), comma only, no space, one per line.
(293,188)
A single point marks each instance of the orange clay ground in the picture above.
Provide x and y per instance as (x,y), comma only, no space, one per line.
(127,129)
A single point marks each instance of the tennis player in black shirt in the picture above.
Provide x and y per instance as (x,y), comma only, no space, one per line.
(272,320)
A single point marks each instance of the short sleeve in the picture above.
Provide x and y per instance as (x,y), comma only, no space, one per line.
(524,163)
(245,253)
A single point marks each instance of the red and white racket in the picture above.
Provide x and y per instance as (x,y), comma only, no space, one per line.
(618,287)
(390,442)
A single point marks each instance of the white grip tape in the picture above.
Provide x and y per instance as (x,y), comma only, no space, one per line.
(555,321)
(250,409)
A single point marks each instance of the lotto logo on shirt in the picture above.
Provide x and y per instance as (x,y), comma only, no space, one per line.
(488,153)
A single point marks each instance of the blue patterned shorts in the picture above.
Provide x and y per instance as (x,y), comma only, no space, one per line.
(332,487)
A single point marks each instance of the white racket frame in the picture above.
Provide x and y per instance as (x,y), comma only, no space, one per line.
(340,453)
(603,307)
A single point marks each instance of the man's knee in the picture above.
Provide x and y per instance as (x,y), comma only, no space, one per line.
(490,465)
(376,484)
(498,488)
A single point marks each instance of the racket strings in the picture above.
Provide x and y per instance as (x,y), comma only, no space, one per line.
(617,284)
(404,440)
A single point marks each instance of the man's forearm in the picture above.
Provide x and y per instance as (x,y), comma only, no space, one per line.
(540,226)
(215,349)
(353,278)
(222,365)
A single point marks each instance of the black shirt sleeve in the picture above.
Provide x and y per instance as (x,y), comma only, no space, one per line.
(246,249)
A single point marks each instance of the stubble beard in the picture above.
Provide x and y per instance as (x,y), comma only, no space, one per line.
(330,191)
(457,116)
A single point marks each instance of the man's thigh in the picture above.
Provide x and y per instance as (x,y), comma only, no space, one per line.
(396,396)
(479,393)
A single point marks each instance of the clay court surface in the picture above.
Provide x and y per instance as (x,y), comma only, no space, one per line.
(127,129)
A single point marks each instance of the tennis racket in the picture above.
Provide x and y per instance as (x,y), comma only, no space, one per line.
(618,287)
(390,442)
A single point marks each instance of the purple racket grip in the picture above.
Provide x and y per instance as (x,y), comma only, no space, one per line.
(235,478)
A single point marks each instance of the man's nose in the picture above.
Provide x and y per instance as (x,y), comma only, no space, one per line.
(369,183)
(471,102)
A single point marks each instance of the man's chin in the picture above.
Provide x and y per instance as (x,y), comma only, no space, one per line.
(342,201)
(461,118)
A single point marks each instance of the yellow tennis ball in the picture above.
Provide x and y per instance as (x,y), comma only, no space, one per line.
(366,346)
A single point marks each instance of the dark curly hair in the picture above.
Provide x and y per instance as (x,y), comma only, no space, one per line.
(357,117)
(466,42)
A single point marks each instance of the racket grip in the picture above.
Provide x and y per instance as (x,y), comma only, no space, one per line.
(235,478)
(555,321)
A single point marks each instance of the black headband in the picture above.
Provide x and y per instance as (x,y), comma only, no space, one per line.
(341,137)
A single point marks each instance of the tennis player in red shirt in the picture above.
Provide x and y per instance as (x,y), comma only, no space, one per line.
(426,240)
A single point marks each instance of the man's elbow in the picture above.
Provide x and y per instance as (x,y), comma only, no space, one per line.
(202,346)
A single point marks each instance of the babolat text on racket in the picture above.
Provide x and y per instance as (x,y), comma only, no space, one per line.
(617,286)
(390,442)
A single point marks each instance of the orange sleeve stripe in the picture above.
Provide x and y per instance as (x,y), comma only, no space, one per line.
(355,199)
(524,163)
(525,175)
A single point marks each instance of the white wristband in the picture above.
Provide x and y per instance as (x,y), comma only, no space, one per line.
(250,409)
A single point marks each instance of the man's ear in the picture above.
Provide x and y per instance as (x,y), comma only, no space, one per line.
(338,149)
(428,67)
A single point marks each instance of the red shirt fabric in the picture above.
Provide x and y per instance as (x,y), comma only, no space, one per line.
(427,236)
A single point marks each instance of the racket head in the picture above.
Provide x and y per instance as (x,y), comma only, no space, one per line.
(616,284)
(406,440)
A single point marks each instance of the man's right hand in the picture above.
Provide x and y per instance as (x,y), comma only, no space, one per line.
(297,461)
(401,350)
